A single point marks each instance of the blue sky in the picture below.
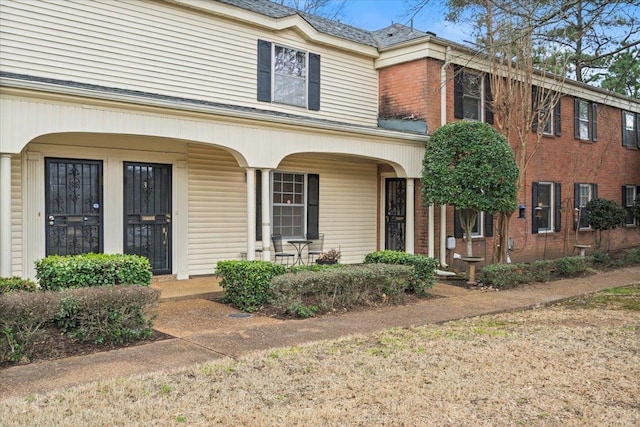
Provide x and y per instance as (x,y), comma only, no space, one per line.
(377,14)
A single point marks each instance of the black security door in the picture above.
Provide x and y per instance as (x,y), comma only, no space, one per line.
(73,199)
(147,205)
(395,213)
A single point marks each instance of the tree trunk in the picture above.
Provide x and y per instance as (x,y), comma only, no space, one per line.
(501,238)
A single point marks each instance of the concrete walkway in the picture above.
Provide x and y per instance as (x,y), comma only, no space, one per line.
(206,330)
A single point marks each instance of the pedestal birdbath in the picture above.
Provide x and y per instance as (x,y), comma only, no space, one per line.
(472,261)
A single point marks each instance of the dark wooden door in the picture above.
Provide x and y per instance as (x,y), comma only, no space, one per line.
(73,205)
(395,213)
(147,205)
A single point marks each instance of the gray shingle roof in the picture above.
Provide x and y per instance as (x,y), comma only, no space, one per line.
(385,37)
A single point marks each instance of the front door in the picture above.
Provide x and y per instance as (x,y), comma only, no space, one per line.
(147,206)
(395,213)
(73,206)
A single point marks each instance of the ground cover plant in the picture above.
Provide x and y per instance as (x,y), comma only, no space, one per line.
(573,363)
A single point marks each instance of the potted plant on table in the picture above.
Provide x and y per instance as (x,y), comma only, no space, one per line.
(329,257)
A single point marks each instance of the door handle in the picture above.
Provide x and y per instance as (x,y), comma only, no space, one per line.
(164,236)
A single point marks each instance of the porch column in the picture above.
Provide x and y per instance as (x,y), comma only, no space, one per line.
(432,231)
(266,215)
(411,213)
(443,236)
(5,215)
(251,213)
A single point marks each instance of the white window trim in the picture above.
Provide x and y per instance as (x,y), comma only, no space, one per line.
(589,120)
(633,141)
(480,221)
(481,114)
(630,204)
(590,187)
(552,214)
(304,207)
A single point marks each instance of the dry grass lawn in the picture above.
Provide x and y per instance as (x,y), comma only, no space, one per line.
(573,364)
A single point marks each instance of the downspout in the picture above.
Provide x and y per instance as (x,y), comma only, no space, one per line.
(443,120)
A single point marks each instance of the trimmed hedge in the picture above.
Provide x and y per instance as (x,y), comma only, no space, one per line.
(103,315)
(424,267)
(15,283)
(510,275)
(306,293)
(88,270)
(247,284)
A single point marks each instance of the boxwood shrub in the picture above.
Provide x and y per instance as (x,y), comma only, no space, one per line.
(247,284)
(424,267)
(306,293)
(87,270)
(15,283)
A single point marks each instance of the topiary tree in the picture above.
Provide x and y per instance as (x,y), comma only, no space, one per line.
(603,214)
(469,165)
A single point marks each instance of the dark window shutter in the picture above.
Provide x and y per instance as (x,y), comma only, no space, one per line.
(534,107)
(488,100)
(458,232)
(624,196)
(458,92)
(637,130)
(258,205)
(264,71)
(576,195)
(557,118)
(594,122)
(488,224)
(558,207)
(314,82)
(625,143)
(594,191)
(534,204)
(576,118)
(313,205)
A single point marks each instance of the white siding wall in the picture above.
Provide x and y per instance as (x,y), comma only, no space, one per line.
(153,47)
(217,205)
(16,216)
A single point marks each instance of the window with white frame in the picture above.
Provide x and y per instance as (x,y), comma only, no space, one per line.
(543,211)
(584,193)
(288,204)
(290,76)
(582,119)
(478,226)
(630,129)
(472,95)
(629,194)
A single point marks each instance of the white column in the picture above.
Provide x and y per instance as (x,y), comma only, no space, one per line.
(251,213)
(266,215)
(443,236)
(181,220)
(5,215)
(432,231)
(410,231)
(34,214)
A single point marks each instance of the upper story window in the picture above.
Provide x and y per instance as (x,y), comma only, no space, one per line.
(629,194)
(288,76)
(583,194)
(547,203)
(472,96)
(585,120)
(630,129)
(547,119)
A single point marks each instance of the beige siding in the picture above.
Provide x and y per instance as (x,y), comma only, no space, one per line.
(16,216)
(217,208)
(156,48)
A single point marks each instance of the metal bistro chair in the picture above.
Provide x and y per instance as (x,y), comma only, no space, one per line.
(315,247)
(280,253)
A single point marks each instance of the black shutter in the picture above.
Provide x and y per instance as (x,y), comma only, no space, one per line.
(458,92)
(488,224)
(557,118)
(314,82)
(534,108)
(458,232)
(558,207)
(594,191)
(594,122)
(258,205)
(313,205)
(576,118)
(264,71)
(488,100)
(576,196)
(534,205)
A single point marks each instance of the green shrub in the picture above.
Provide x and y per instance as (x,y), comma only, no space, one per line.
(87,270)
(106,314)
(22,315)
(571,266)
(314,267)
(424,267)
(538,271)
(306,293)
(599,258)
(632,256)
(503,276)
(15,283)
(247,284)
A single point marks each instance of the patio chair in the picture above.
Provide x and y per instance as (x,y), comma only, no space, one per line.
(315,248)
(280,253)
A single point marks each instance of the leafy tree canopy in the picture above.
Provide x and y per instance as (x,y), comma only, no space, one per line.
(470,165)
(603,214)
